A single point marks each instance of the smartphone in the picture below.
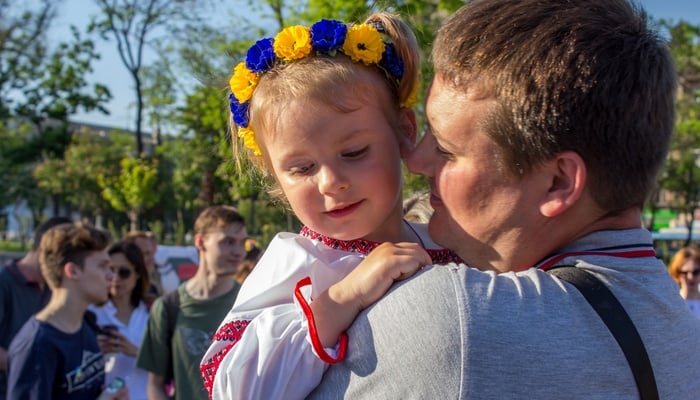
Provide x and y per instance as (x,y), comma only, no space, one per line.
(116,385)
(108,330)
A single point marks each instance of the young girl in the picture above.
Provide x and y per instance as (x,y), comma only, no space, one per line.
(326,111)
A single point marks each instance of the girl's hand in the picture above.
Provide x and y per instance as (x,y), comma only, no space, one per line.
(335,309)
(388,263)
(120,344)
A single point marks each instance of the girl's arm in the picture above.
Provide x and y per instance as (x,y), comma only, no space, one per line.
(266,351)
(336,308)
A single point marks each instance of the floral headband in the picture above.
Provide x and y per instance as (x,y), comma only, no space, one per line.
(362,43)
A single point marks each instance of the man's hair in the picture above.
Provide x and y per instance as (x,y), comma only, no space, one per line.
(134,256)
(68,243)
(588,76)
(45,226)
(217,217)
(133,235)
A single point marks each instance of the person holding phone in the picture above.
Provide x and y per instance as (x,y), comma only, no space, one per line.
(123,318)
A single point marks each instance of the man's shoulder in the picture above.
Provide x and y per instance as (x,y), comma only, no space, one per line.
(8,273)
(30,336)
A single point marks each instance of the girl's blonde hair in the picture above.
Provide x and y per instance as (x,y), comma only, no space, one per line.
(331,80)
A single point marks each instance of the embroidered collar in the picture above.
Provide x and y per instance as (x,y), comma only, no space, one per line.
(360,246)
(364,247)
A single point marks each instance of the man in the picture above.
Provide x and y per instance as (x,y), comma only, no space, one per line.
(23,293)
(163,279)
(55,354)
(204,300)
(548,122)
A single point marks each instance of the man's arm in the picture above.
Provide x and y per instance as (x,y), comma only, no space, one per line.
(156,387)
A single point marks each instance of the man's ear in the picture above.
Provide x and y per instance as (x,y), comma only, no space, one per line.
(567,180)
(71,270)
(407,131)
(199,241)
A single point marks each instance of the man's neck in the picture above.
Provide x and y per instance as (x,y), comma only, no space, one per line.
(30,268)
(64,311)
(205,285)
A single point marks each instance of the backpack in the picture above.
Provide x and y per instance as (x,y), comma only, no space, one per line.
(171,302)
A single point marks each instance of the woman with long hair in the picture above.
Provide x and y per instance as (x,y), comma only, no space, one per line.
(123,318)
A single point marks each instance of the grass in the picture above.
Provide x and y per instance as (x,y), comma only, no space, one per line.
(12,246)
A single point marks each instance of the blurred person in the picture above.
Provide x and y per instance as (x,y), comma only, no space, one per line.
(685,270)
(55,355)
(164,278)
(416,208)
(123,318)
(252,255)
(202,302)
(23,292)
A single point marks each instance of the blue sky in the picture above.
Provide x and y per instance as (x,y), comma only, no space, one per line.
(109,69)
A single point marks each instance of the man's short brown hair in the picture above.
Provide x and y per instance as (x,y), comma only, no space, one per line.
(68,243)
(588,76)
(217,217)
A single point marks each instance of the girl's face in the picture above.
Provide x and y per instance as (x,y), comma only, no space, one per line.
(124,278)
(341,171)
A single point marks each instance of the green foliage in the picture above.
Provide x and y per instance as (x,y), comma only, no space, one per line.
(133,26)
(680,177)
(133,190)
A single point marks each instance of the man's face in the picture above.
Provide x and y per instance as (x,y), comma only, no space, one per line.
(147,249)
(221,251)
(481,212)
(96,277)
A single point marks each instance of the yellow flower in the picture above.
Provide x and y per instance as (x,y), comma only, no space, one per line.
(413,96)
(248,137)
(243,82)
(293,43)
(364,43)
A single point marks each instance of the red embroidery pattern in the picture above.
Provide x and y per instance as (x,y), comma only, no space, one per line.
(230,332)
(361,246)
(356,246)
(443,256)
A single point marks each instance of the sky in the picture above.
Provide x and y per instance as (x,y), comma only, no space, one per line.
(109,69)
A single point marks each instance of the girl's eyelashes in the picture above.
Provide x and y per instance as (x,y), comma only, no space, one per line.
(442,152)
(309,168)
(356,153)
(301,170)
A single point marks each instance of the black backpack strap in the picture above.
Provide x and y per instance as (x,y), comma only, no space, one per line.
(171,302)
(618,322)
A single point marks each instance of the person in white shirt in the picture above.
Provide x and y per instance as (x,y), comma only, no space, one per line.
(124,317)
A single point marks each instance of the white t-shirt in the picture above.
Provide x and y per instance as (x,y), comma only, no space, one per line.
(120,364)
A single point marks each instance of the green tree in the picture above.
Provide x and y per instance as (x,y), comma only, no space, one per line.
(680,176)
(133,25)
(74,176)
(133,190)
(22,46)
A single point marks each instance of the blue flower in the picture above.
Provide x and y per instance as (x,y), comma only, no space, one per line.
(328,35)
(239,111)
(391,62)
(261,56)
